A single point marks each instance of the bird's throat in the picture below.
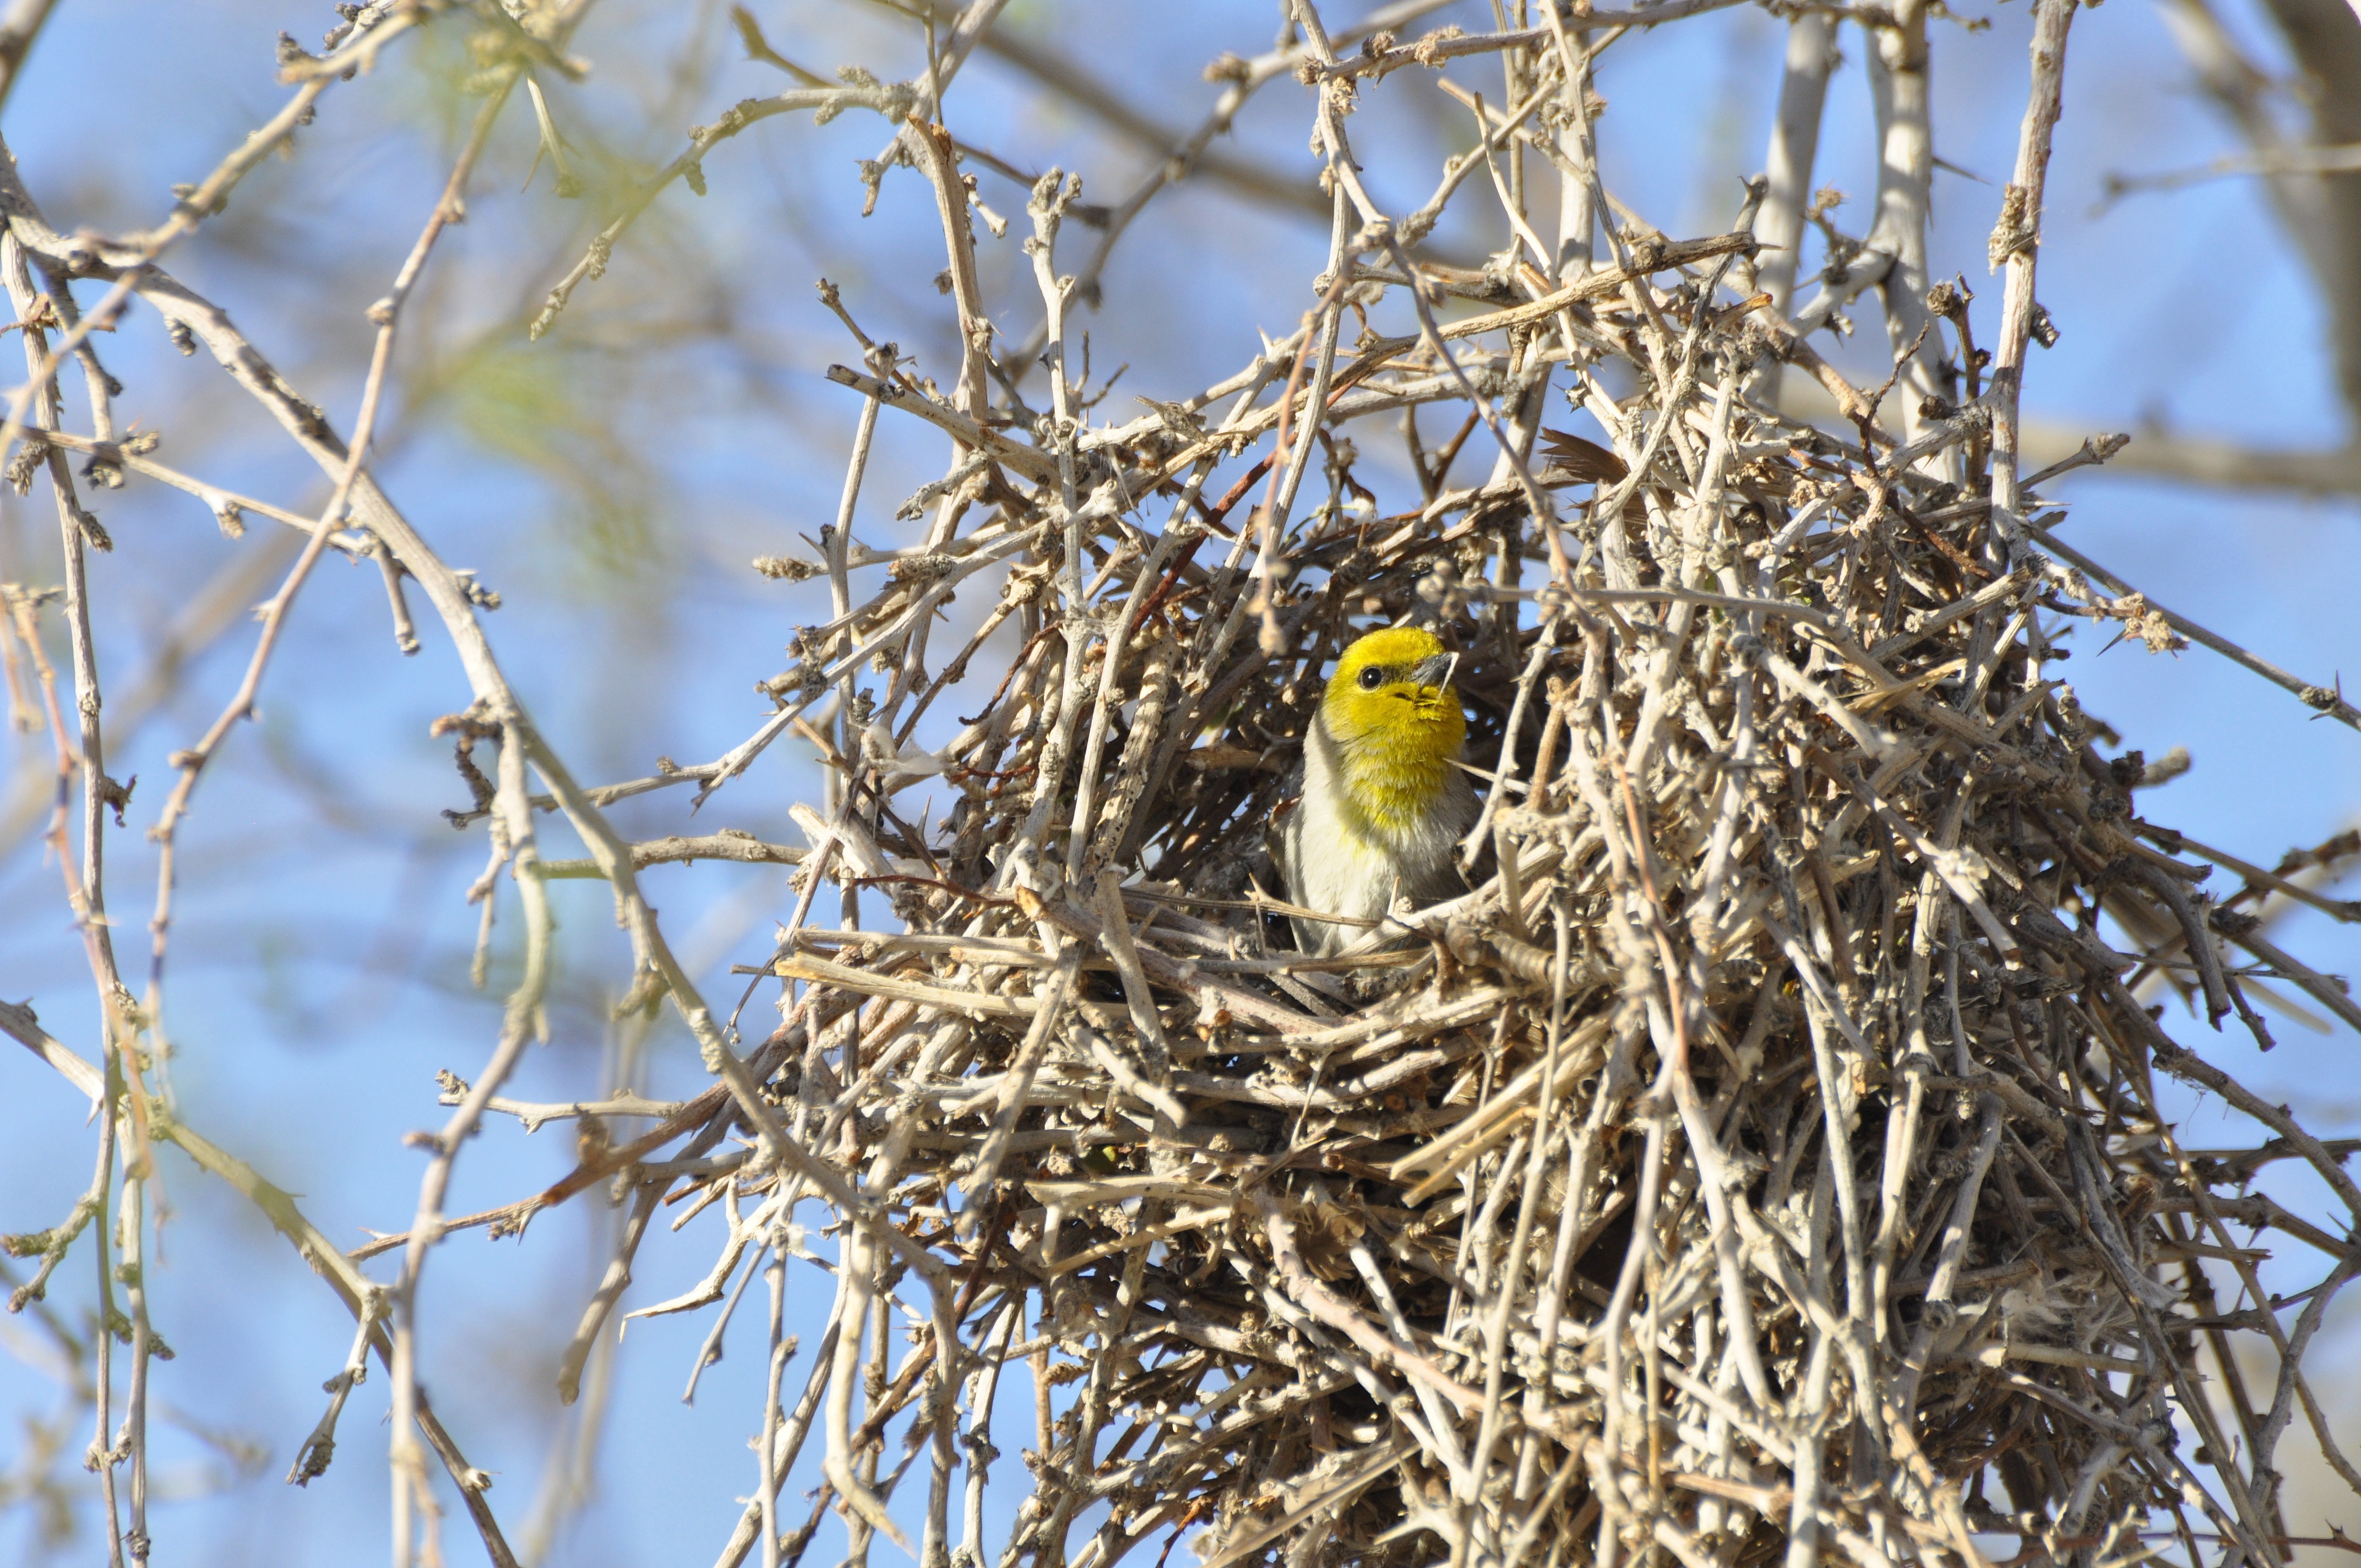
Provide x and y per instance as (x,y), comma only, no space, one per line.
(1394,778)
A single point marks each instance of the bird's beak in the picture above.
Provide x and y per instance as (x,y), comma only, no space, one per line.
(1435,671)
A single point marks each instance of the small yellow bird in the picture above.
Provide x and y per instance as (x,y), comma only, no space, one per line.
(1384,798)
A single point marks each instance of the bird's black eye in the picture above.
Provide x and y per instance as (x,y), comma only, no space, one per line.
(1372,678)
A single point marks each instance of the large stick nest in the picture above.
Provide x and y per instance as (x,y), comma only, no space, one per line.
(1768,1143)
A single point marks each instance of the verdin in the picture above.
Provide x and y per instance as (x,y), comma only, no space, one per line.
(1383,797)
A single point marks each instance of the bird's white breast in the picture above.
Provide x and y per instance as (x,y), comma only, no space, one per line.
(1342,863)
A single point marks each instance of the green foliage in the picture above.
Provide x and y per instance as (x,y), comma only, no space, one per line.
(555,412)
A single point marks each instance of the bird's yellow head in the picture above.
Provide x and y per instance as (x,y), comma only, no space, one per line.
(1395,722)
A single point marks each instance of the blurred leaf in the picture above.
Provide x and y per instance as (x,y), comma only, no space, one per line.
(548,412)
